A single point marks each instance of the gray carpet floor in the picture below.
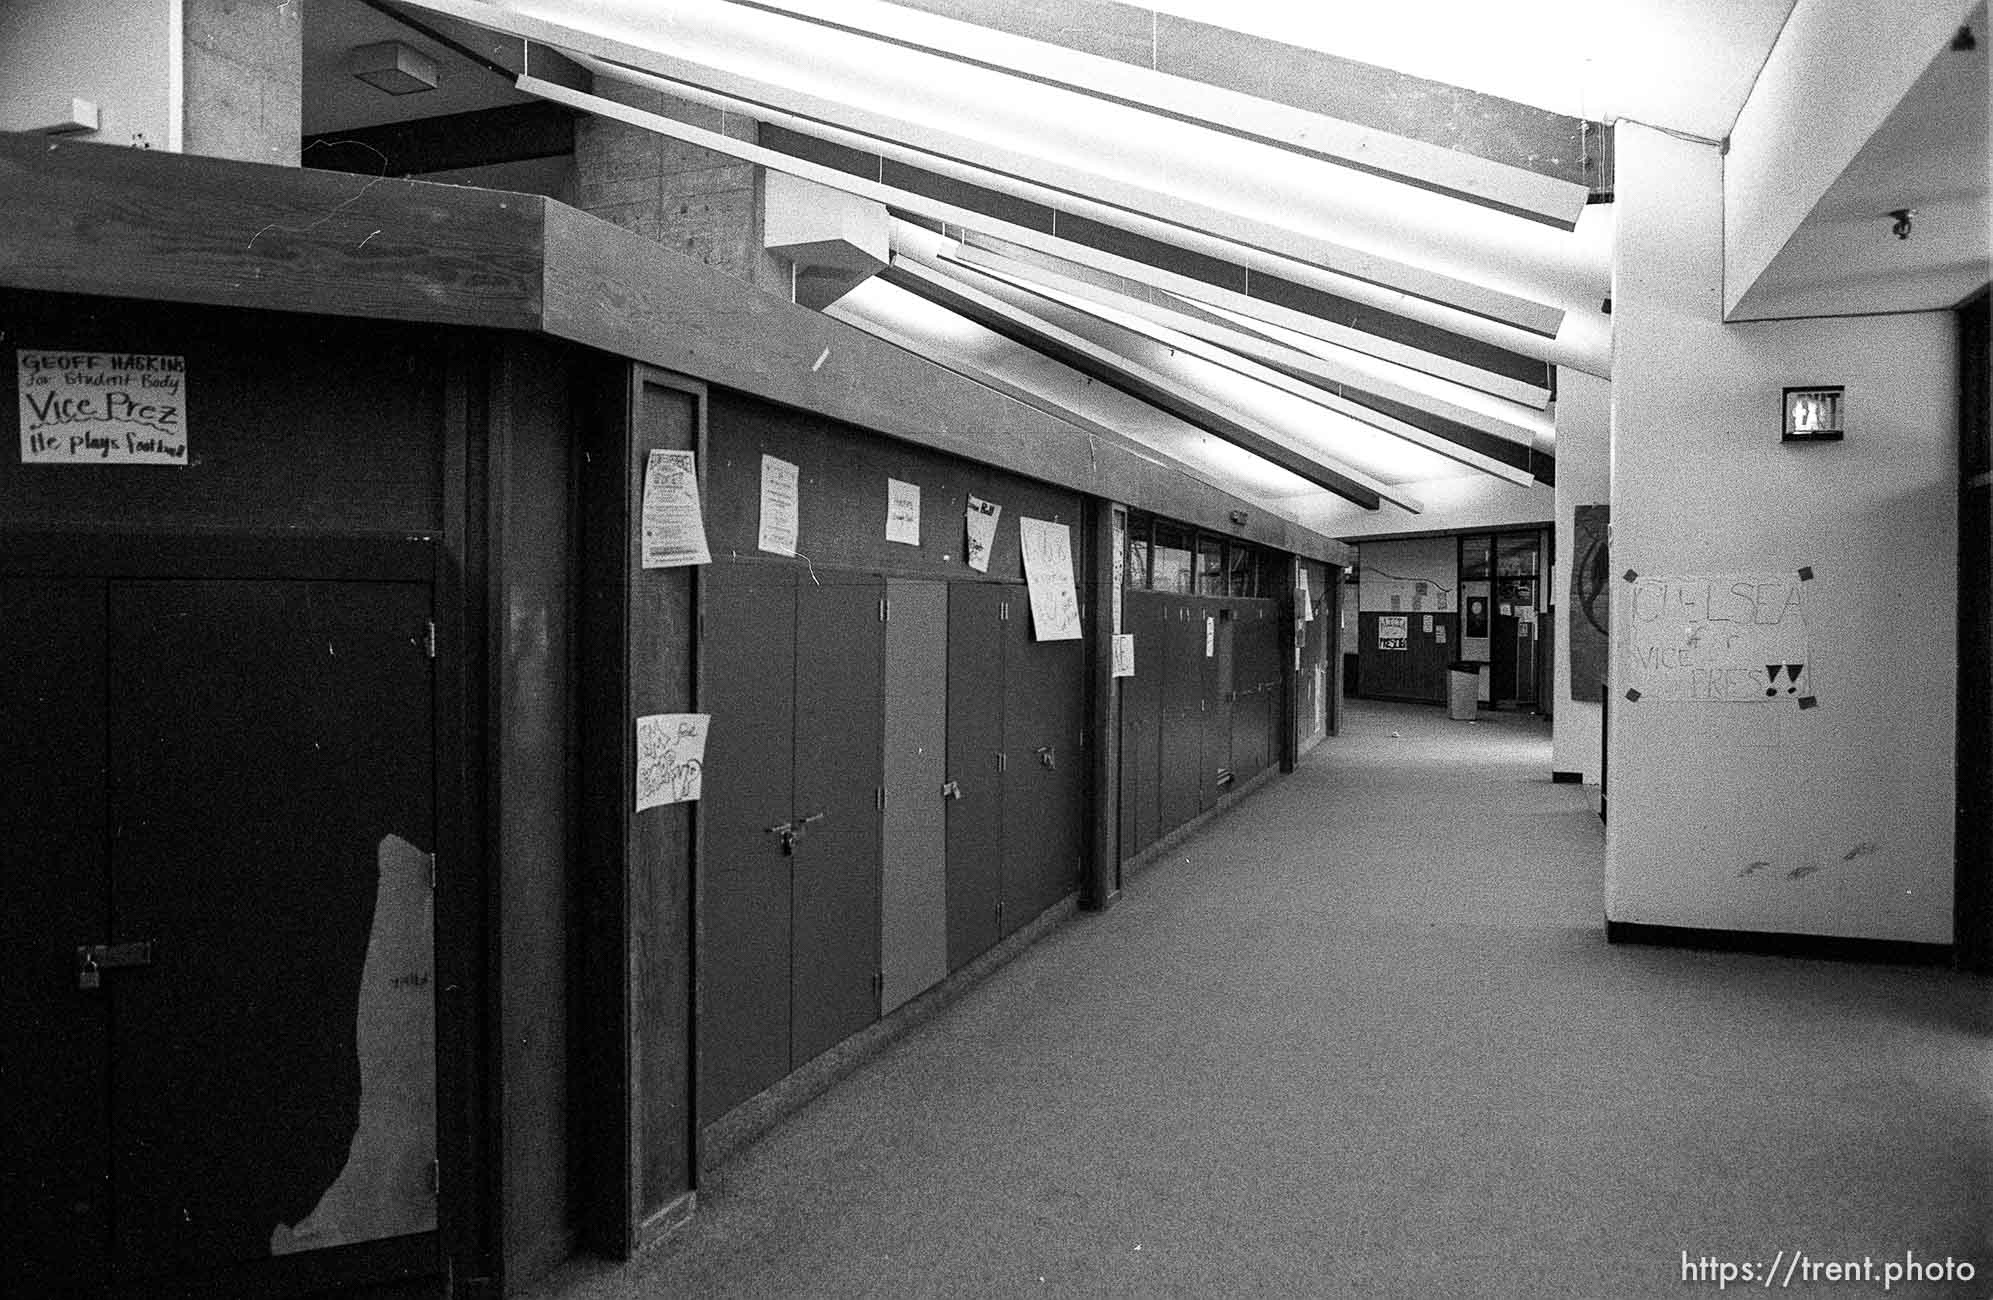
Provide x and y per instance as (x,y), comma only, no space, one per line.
(1363,1035)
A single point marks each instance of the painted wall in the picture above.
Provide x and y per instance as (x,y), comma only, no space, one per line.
(1388,566)
(1763,817)
(123,55)
(1469,502)
(1837,70)
(1584,418)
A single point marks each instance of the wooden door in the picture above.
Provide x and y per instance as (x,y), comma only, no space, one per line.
(54,1045)
(975,748)
(272,790)
(1182,714)
(913,897)
(1045,767)
(834,876)
(1218,685)
(748,621)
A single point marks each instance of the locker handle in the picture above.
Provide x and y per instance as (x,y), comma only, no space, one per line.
(951,789)
(1046,758)
(94,958)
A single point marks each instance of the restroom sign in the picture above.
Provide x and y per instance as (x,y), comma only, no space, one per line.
(102,408)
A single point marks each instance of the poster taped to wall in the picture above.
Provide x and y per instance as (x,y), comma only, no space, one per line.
(1393,630)
(671,758)
(1731,638)
(1591,600)
(1124,654)
(1048,574)
(780,506)
(981,519)
(902,512)
(102,408)
(673,531)
(1302,595)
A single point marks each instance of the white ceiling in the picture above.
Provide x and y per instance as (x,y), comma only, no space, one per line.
(1686,65)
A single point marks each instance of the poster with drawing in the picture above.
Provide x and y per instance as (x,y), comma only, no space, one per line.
(1591,600)
(1731,638)
(671,757)
(673,531)
(902,512)
(1048,574)
(780,506)
(981,518)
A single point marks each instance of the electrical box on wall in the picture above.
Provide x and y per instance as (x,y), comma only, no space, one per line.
(1816,414)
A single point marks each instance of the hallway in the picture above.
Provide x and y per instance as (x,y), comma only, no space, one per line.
(1364,1036)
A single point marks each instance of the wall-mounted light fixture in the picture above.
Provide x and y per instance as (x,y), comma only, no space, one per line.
(393,67)
(1815,414)
(1238,518)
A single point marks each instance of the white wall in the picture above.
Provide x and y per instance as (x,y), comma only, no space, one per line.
(1584,416)
(1473,501)
(1848,805)
(122,54)
(1395,567)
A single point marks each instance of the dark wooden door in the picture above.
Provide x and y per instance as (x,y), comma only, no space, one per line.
(748,621)
(1182,714)
(839,757)
(1218,685)
(1045,768)
(54,1049)
(975,748)
(272,791)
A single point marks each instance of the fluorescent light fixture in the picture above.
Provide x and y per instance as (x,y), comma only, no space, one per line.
(392,67)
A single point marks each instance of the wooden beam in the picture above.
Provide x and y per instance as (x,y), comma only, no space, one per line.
(88,218)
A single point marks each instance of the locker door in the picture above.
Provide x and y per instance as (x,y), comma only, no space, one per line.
(1045,769)
(1182,714)
(53,1046)
(834,880)
(748,632)
(913,902)
(975,740)
(272,779)
(1218,686)
(1142,705)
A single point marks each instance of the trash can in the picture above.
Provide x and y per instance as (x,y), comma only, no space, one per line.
(1463,693)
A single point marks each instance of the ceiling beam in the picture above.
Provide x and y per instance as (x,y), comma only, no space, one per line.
(511,133)
(1534,195)
(1138,381)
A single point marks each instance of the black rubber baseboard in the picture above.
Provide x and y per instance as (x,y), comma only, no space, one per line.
(1819,947)
(1567,778)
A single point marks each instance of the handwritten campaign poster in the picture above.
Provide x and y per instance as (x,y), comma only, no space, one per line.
(102,408)
(671,757)
(981,517)
(1048,575)
(780,506)
(1734,638)
(674,532)
(902,512)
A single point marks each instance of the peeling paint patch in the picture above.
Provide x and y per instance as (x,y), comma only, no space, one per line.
(384,1188)
(1861,850)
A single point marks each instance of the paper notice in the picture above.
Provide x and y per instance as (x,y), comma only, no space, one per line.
(1124,654)
(981,517)
(902,512)
(673,531)
(1302,593)
(102,408)
(671,754)
(1048,574)
(779,506)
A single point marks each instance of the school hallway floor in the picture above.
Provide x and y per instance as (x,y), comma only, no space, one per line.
(1363,1035)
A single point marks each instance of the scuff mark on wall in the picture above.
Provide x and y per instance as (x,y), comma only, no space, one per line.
(384,1189)
(1861,850)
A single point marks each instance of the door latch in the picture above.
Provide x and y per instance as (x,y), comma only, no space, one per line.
(951,789)
(1046,758)
(93,959)
(787,833)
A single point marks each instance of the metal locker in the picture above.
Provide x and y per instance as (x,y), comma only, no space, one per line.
(913,885)
(974,783)
(1182,714)
(1045,771)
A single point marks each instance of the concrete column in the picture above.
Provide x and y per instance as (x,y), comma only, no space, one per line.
(244,79)
(698,203)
